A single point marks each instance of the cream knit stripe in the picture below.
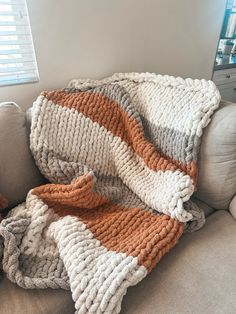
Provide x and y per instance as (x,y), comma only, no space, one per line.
(165,80)
(99,278)
(170,106)
(37,240)
(96,147)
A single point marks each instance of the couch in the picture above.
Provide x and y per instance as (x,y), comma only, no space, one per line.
(197,276)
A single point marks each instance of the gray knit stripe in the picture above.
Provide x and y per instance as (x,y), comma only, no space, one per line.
(165,139)
(12,231)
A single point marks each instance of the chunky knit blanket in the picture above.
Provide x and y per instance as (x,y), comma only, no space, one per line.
(121,158)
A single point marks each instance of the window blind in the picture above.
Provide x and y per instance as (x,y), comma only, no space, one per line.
(17,57)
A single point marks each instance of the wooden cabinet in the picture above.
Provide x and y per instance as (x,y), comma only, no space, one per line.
(228,92)
(226,83)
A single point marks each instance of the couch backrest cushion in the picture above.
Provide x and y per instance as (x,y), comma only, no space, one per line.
(217,160)
(18,172)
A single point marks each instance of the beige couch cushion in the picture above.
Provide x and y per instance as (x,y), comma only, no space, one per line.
(197,276)
(15,300)
(206,208)
(18,173)
(232,207)
(217,163)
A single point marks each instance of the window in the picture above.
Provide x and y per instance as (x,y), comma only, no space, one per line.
(17,57)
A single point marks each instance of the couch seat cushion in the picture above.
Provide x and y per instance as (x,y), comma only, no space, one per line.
(16,300)
(197,276)
(208,210)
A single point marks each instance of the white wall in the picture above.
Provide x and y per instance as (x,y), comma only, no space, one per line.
(94,38)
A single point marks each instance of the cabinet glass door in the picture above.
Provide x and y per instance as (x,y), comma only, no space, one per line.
(226,51)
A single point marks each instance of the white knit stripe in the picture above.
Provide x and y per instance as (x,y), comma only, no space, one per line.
(107,154)
(39,216)
(165,80)
(158,104)
(98,277)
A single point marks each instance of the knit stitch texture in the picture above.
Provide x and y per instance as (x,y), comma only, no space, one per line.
(121,158)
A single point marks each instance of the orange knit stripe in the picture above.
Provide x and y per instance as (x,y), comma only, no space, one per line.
(77,194)
(109,114)
(133,231)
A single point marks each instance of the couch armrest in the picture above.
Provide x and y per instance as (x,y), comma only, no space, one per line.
(18,172)
(232,207)
(217,162)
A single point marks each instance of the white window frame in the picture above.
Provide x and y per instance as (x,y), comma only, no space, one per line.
(17,56)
